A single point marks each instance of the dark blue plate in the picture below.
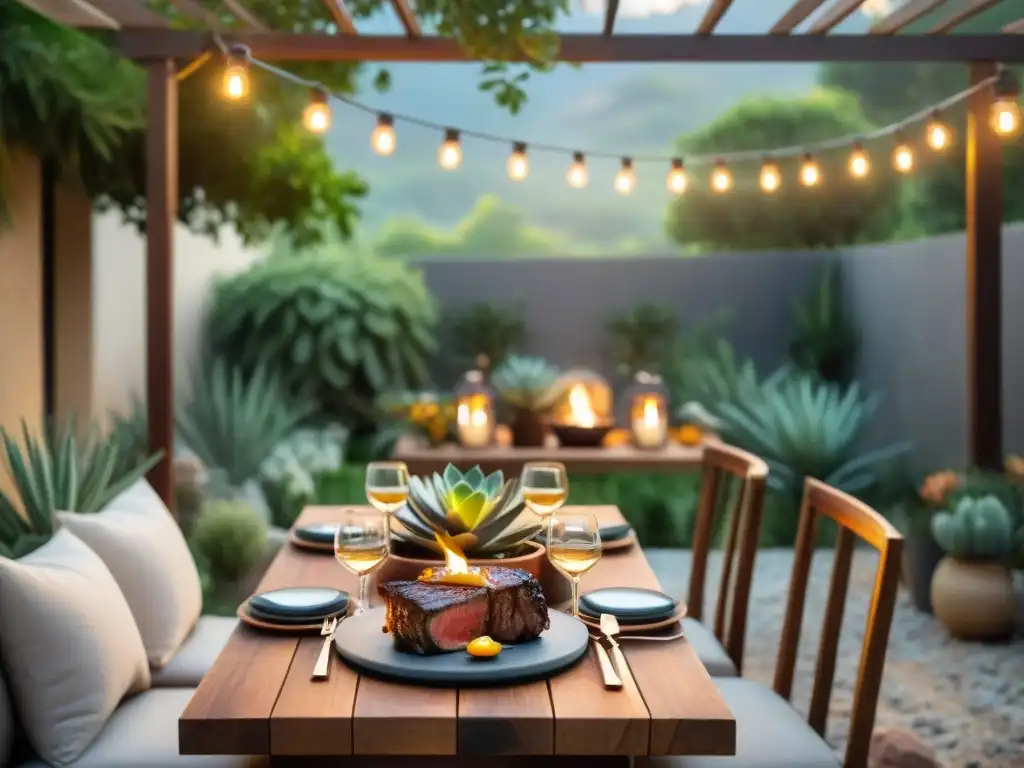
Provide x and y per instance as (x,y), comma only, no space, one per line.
(320,533)
(614,532)
(285,621)
(299,602)
(628,604)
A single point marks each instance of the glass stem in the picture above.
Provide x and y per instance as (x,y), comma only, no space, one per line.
(576,596)
(364,593)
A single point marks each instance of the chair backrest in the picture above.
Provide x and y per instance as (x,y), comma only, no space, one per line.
(720,464)
(855,520)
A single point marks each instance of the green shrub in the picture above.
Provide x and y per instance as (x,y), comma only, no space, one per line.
(341,330)
(228,538)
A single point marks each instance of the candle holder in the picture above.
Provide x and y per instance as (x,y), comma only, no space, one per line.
(583,417)
(648,411)
(474,412)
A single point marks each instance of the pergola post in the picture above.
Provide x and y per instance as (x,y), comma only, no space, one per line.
(984,221)
(161,215)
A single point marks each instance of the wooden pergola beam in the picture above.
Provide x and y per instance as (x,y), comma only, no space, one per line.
(904,16)
(610,11)
(834,15)
(245,15)
(799,11)
(130,13)
(967,12)
(712,16)
(408,18)
(285,46)
(341,17)
(73,13)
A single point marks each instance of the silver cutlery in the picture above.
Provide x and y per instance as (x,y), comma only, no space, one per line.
(650,638)
(610,628)
(323,662)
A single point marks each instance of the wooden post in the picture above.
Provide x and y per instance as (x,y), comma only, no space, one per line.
(984,277)
(161,215)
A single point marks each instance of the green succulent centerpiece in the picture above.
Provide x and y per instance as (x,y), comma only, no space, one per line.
(484,514)
(528,383)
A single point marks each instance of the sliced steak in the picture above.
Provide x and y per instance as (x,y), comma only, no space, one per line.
(519,611)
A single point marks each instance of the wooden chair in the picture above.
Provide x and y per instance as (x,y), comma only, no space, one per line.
(770,733)
(721,647)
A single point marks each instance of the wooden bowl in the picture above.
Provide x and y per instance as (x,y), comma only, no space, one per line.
(571,436)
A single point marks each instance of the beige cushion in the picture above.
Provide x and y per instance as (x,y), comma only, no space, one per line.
(769,734)
(140,542)
(194,659)
(711,653)
(70,646)
(143,733)
(6,723)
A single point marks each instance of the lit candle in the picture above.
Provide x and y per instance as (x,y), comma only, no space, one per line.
(474,426)
(649,428)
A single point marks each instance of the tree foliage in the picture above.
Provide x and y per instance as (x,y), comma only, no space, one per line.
(841,210)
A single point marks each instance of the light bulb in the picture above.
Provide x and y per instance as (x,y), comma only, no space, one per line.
(721,178)
(383,139)
(317,117)
(859,163)
(937,133)
(625,179)
(677,180)
(810,172)
(770,180)
(1005,117)
(449,156)
(236,80)
(903,158)
(518,165)
(577,176)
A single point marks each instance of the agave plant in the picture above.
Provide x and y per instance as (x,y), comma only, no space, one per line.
(484,514)
(527,383)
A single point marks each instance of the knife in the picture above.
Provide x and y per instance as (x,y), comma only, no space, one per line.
(611,680)
(610,628)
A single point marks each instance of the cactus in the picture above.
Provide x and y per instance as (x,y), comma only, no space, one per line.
(978,528)
(527,383)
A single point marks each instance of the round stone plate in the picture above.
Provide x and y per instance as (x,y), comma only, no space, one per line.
(628,604)
(295,540)
(363,645)
(652,625)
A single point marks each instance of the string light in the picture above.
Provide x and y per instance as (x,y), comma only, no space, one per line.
(383,139)
(317,116)
(625,179)
(236,76)
(937,133)
(449,156)
(810,171)
(721,178)
(677,180)
(1005,117)
(577,176)
(518,165)
(859,164)
(770,179)
(902,156)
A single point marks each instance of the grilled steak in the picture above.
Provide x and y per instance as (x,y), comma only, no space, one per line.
(436,618)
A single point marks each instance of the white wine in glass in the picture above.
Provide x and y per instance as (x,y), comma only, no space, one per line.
(574,547)
(545,487)
(361,544)
(387,485)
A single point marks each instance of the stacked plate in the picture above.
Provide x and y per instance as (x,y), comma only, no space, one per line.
(613,537)
(296,608)
(317,533)
(638,610)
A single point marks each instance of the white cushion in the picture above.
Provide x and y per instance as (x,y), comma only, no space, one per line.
(142,545)
(69,644)
(194,659)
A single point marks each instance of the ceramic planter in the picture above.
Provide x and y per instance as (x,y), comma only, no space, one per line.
(974,600)
(529,429)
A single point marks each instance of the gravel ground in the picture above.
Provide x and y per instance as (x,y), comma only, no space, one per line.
(965,700)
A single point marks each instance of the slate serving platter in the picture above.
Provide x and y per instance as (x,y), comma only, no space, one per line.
(362,645)
(299,602)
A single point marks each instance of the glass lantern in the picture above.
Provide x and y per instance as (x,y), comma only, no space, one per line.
(648,411)
(474,409)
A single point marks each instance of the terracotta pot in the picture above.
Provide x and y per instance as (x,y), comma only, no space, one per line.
(974,600)
(529,429)
(535,562)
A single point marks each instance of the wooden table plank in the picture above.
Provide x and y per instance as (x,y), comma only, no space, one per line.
(424,459)
(513,721)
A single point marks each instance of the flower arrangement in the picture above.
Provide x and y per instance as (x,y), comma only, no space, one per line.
(431,414)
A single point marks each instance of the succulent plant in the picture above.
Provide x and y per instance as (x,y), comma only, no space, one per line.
(529,383)
(483,514)
(978,528)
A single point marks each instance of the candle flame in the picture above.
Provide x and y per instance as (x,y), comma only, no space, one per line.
(472,412)
(580,410)
(651,418)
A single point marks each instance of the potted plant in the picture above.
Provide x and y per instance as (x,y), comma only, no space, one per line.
(528,384)
(921,553)
(972,589)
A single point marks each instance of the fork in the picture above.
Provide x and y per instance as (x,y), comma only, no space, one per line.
(323,662)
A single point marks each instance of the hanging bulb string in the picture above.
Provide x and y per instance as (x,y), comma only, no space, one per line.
(716,158)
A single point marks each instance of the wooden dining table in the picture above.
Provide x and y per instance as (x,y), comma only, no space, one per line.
(259,698)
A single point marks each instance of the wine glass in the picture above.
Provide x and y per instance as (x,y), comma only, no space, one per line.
(574,547)
(361,543)
(387,485)
(545,486)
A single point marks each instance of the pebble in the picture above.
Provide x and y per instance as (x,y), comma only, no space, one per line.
(964,700)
